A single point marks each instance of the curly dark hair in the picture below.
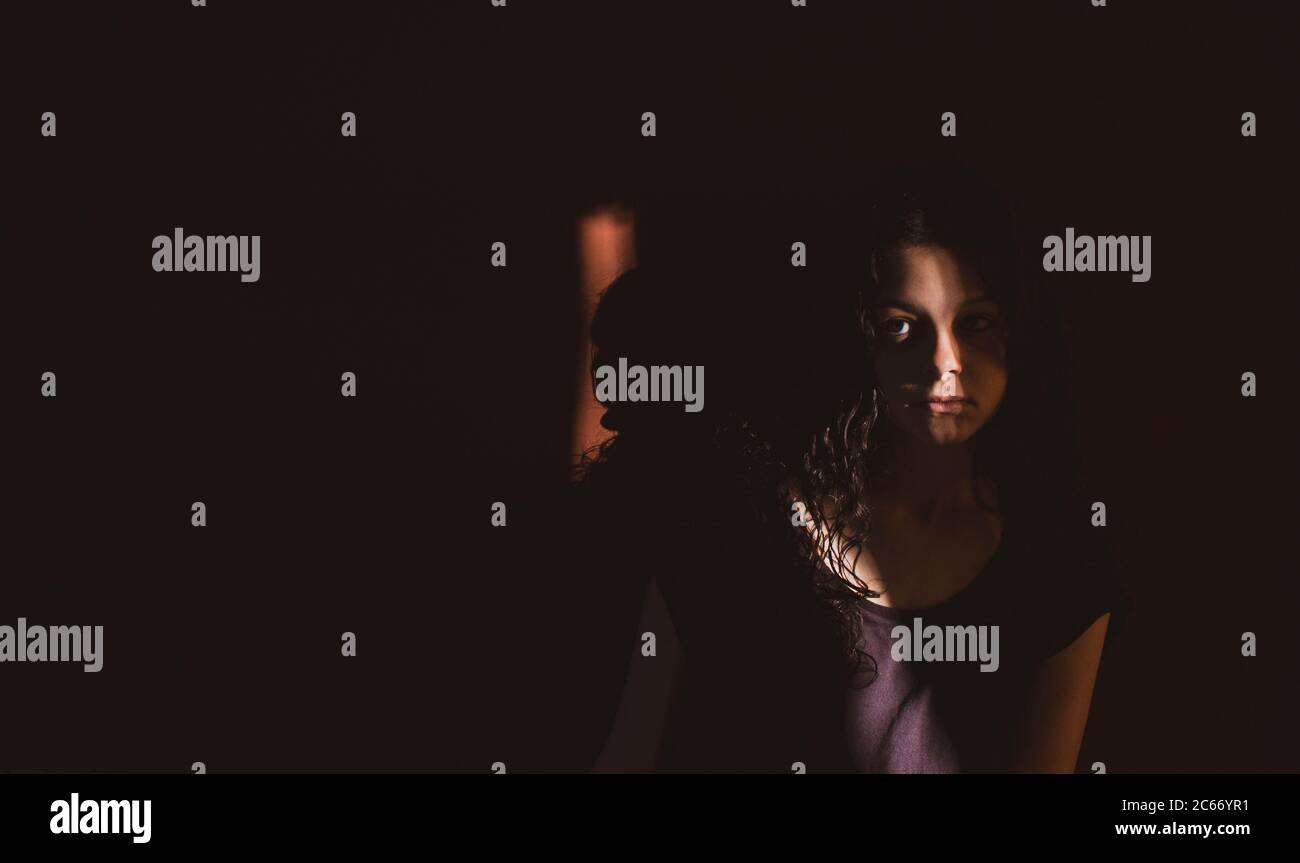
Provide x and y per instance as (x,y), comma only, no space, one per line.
(771,437)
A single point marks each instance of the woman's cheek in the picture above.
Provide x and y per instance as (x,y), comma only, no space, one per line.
(892,374)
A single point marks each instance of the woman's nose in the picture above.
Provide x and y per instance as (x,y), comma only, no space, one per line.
(947,354)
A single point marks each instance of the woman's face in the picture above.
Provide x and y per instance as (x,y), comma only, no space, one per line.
(940,353)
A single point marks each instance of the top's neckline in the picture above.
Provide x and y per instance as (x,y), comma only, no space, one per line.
(980,582)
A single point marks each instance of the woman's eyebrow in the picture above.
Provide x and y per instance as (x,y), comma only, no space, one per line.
(982,298)
(897,304)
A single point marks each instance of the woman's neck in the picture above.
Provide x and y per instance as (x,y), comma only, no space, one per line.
(930,481)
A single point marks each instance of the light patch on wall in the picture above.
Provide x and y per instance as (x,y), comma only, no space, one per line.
(606,249)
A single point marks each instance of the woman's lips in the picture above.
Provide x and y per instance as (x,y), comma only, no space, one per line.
(947,405)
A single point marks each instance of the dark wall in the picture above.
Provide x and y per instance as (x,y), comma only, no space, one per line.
(479,124)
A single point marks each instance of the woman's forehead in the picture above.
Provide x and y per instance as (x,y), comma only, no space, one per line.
(930,277)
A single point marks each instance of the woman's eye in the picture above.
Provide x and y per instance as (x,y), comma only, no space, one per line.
(978,323)
(898,326)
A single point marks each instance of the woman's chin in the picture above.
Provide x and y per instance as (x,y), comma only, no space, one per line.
(944,431)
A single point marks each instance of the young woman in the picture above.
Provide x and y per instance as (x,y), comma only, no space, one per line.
(987,597)
(856,481)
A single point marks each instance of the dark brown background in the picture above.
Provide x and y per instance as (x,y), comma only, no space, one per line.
(479,124)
